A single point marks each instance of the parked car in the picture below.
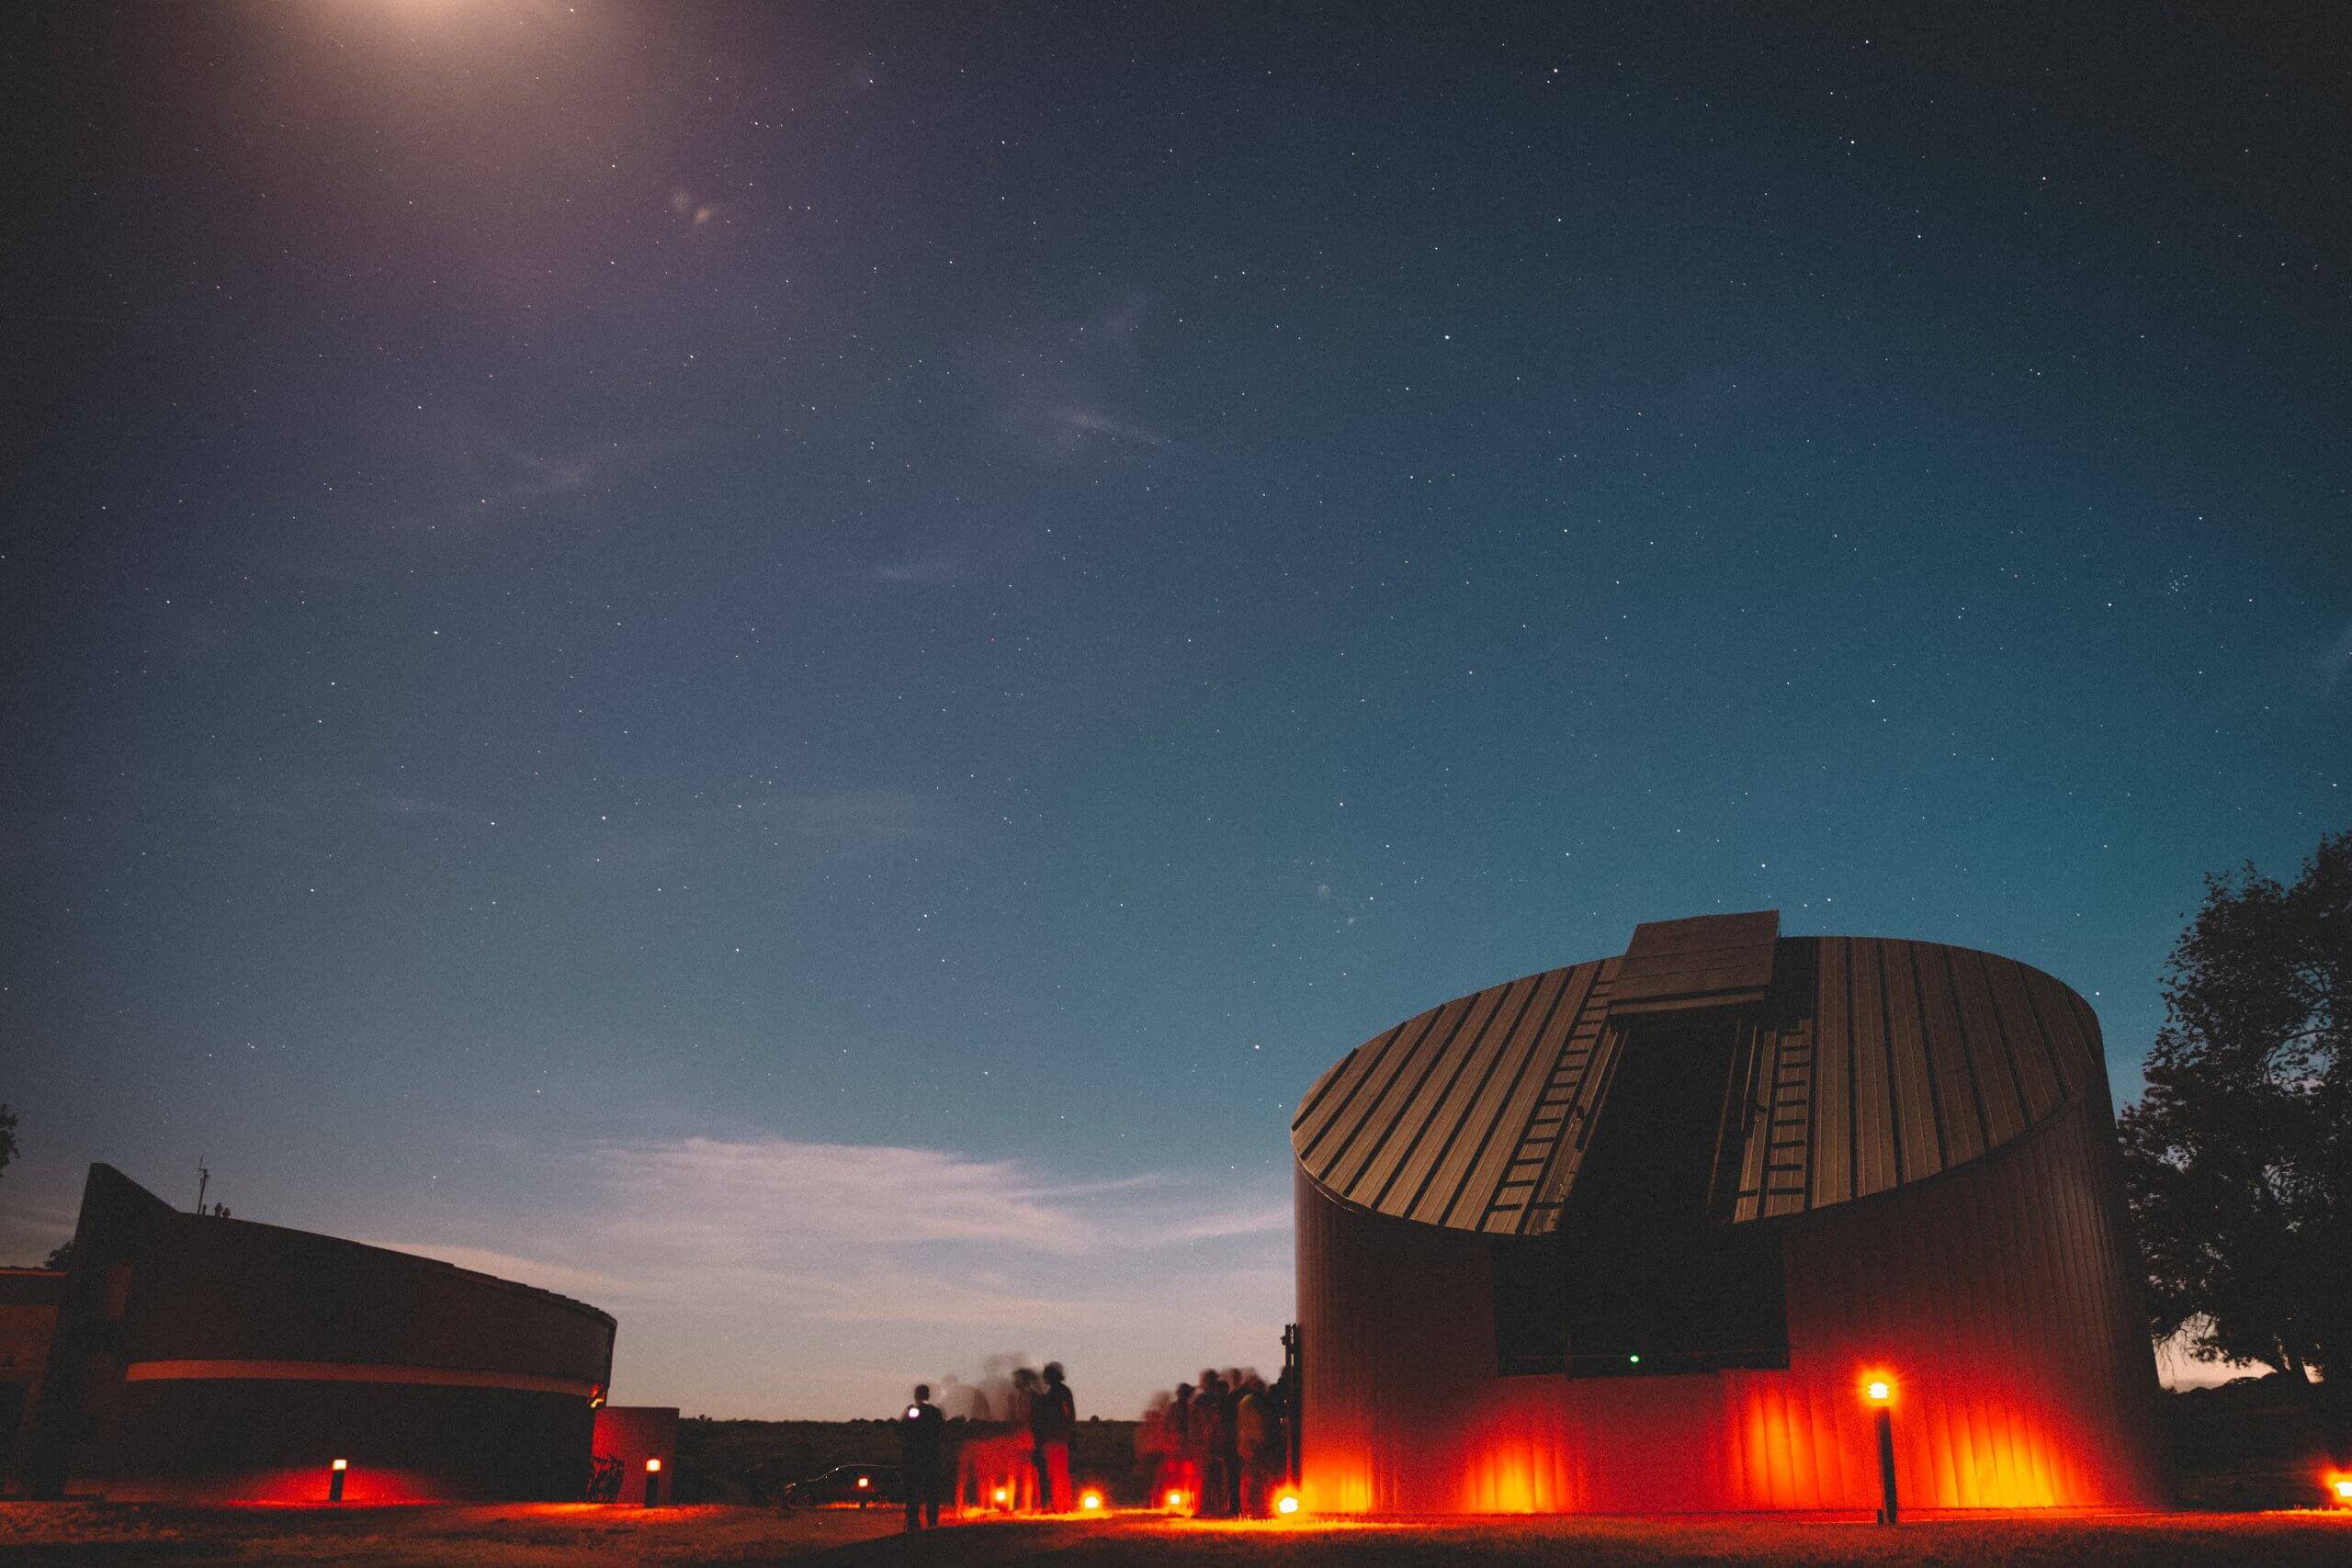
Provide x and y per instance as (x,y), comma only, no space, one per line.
(858,1483)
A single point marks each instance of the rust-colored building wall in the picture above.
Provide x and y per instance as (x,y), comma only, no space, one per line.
(210,1359)
(1999,1300)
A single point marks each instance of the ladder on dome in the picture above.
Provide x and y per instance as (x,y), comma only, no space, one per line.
(1774,1163)
(1562,1111)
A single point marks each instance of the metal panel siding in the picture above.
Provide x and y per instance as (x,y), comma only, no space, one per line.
(1409,1123)
(1833,1078)
(1948,1059)
(1875,1169)
(1567,1043)
(2027,1047)
(1996,1079)
(1363,1092)
(1562,993)
(1996,1408)
(1919,1123)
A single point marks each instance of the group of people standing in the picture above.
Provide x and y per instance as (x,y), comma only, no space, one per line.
(1040,1400)
(1219,1447)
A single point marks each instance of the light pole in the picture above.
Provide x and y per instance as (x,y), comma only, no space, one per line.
(1880,1395)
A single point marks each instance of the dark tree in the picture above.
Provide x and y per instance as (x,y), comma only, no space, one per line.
(2238,1160)
(8,1136)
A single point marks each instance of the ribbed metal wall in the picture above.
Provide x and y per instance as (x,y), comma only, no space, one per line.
(1931,1138)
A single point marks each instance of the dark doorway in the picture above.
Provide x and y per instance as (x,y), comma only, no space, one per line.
(1638,1280)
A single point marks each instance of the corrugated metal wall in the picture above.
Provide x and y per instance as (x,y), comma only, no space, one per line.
(1999,1298)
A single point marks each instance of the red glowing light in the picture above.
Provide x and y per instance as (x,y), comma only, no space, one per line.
(340,1464)
(1879,1391)
(1287,1503)
(1175,1499)
(2343,1489)
(653,1465)
(1003,1494)
(862,1483)
(1090,1500)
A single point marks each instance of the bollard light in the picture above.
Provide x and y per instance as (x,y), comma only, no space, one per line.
(1880,1392)
(1003,1495)
(2343,1490)
(863,1483)
(653,1482)
(1090,1499)
(1175,1499)
(1287,1503)
(335,1479)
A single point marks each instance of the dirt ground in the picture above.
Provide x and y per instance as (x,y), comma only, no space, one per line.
(526,1536)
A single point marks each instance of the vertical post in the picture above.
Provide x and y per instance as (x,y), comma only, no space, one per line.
(1293,1372)
(335,1479)
(1889,1509)
(653,1483)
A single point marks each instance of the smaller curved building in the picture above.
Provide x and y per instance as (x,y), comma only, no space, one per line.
(197,1357)
(1636,1234)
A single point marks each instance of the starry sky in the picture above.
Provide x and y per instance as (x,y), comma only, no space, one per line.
(793,668)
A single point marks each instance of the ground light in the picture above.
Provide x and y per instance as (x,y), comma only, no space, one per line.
(1003,1497)
(1091,1500)
(1880,1395)
(863,1483)
(335,1479)
(653,1483)
(2341,1488)
(1175,1500)
(1286,1503)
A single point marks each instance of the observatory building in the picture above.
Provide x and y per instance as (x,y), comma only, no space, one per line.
(1643,1233)
(190,1356)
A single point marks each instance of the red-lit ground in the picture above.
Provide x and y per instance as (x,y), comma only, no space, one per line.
(33,1534)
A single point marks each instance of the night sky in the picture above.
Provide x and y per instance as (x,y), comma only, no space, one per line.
(792,668)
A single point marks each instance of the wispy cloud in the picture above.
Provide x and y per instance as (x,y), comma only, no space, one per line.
(1063,390)
(908,1259)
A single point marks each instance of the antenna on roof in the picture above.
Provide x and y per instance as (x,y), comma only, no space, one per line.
(203,1179)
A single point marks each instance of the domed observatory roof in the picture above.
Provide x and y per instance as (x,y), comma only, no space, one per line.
(1647,1119)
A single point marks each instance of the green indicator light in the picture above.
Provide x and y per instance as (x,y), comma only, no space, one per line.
(1636,1360)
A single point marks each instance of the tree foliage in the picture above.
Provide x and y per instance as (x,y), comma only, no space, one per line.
(2238,1160)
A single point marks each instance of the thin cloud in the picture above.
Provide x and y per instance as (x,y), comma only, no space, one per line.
(905,1259)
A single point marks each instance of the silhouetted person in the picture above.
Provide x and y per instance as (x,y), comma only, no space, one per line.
(1053,1415)
(922,1430)
(1220,1455)
(1258,1432)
